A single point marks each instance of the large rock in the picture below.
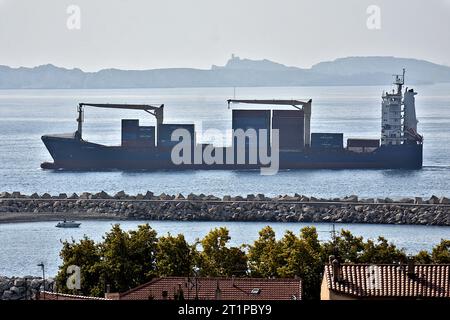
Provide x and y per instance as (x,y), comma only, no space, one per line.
(352,198)
(16,194)
(164,196)
(5,195)
(179,196)
(19,291)
(7,295)
(433,200)
(140,196)
(19,282)
(4,285)
(444,200)
(148,195)
(102,195)
(120,195)
(85,196)
(406,200)
(36,283)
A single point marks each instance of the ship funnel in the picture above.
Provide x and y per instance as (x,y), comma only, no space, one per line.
(410,120)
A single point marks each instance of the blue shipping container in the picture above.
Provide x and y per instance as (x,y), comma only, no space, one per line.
(146,135)
(327,140)
(291,128)
(165,133)
(251,119)
(130,131)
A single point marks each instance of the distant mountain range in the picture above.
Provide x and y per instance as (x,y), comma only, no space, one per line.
(237,72)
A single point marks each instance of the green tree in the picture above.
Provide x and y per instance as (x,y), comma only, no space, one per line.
(346,247)
(128,258)
(381,252)
(303,257)
(265,255)
(175,257)
(441,252)
(217,259)
(86,255)
(423,257)
(142,247)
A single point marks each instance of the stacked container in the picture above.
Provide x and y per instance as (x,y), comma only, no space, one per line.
(363,145)
(291,128)
(146,136)
(327,140)
(130,132)
(250,119)
(165,134)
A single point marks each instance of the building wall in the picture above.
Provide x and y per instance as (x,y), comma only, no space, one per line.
(327,294)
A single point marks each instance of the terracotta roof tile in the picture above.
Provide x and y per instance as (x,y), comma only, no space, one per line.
(230,289)
(361,280)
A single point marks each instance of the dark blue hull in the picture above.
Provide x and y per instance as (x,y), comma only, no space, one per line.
(71,153)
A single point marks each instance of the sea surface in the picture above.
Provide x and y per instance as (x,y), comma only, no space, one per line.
(24,245)
(26,115)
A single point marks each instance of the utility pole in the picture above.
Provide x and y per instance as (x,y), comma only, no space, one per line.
(333,237)
(43,278)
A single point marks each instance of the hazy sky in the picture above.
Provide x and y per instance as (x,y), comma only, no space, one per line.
(143,34)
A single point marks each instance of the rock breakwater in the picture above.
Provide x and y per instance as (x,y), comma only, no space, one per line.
(192,207)
(23,288)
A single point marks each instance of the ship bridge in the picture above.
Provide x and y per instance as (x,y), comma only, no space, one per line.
(398,115)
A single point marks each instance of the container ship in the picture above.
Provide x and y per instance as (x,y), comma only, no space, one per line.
(151,147)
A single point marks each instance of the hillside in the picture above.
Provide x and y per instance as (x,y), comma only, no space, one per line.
(236,72)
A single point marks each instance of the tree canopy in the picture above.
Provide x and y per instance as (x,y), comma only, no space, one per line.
(126,259)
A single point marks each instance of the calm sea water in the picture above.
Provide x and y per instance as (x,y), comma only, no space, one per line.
(25,115)
(24,245)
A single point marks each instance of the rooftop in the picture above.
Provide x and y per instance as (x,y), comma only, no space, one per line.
(217,289)
(390,281)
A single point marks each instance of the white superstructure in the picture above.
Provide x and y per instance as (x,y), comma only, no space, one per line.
(398,117)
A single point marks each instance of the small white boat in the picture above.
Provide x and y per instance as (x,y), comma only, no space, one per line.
(68,224)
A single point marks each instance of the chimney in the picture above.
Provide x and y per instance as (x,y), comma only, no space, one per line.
(331,258)
(218,294)
(112,295)
(180,293)
(232,281)
(307,123)
(336,268)
(410,266)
